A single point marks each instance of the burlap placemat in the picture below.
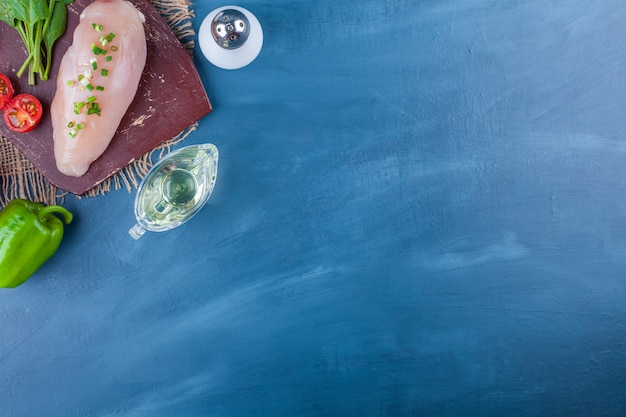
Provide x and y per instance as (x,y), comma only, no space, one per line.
(20,179)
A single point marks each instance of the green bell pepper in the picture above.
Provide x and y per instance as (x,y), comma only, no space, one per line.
(30,233)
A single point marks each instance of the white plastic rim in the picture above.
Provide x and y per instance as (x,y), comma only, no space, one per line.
(230,58)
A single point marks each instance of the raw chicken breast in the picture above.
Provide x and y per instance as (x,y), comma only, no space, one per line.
(98,79)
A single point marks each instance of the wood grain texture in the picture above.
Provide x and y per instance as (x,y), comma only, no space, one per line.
(170,98)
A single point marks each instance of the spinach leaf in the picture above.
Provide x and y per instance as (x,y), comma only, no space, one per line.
(56,29)
(6,13)
(30,11)
(40,23)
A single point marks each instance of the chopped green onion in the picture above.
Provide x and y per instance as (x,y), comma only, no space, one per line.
(104,72)
(100,88)
(70,125)
(78,106)
(94,63)
(110,36)
(94,108)
(70,83)
(89,87)
(97,27)
(109,58)
(97,50)
(91,99)
(80,126)
(72,133)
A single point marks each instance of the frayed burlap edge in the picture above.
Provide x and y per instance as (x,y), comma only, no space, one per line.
(20,179)
(178,14)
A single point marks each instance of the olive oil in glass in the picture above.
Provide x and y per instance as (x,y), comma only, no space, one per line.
(175,189)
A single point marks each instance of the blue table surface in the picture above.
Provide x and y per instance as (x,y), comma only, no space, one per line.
(420,211)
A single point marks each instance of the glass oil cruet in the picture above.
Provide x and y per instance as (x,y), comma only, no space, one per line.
(175,189)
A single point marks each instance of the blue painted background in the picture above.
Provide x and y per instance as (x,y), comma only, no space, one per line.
(420,211)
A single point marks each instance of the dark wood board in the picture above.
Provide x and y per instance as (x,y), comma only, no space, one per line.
(171,97)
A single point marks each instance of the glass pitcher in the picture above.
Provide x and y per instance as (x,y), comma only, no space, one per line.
(175,189)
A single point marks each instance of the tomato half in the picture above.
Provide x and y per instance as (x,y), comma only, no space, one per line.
(23,113)
(6,91)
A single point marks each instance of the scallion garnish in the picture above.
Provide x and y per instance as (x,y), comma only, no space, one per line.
(97,50)
(104,72)
(97,27)
(94,108)
(100,88)
(78,106)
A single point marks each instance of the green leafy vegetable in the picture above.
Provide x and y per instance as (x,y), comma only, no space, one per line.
(40,23)
(56,28)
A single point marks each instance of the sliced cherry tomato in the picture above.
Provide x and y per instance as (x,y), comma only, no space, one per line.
(23,113)
(6,91)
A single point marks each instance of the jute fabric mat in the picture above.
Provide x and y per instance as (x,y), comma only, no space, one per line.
(20,179)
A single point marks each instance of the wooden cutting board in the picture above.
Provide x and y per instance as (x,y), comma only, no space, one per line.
(170,98)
